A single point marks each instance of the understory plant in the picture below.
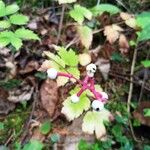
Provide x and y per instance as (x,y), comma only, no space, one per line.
(12,26)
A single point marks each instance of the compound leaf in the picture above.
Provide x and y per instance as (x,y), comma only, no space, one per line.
(11,9)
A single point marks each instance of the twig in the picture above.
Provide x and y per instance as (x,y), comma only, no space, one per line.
(61,23)
(75,40)
(131,90)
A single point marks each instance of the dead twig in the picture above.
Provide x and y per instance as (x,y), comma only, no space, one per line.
(130,91)
(61,23)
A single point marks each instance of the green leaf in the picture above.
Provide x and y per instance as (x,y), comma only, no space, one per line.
(2,9)
(74,110)
(146,147)
(146,63)
(4,41)
(69,57)
(79,13)
(46,127)
(93,122)
(66,1)
(26,34)
(55,138)
(4,24)
(19,19)
(74,71)
(86,35)
(144,34)
(143,19)
(117,130)
(146,112)
(11,9)
(41,75)
(55,60)
(16,42)
(10,84)
(1,126)
(99,9)
(84,145)
(33,145)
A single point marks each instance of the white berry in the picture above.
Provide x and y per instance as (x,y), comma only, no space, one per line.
(52,73)
(75,98)
(97,105)
(104,96)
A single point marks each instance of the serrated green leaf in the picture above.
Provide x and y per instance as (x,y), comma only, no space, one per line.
(26,34)
(46,127)
(16,42)
(94,122)
(55,60)
(74,110)
(146,63)
(2,9)
(4,24)
(86,35)
(143,19)
(74,71)
(69,57)
(99,9)
(79,13)
(19,19)
(144,34)
(11,9)
(33,145)
(4,41)
(66,1)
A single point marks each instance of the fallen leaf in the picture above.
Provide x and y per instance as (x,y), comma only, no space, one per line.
(131,23)
(104,67)
(123,43)
(84,59)
(125,16)
(45,65)
(93,122)
(66,1)
(5,105)
(49,96)
(112,33)
(61,81)
(22,93)
(30,66)
(86,35)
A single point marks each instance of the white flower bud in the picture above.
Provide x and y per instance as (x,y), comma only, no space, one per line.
(52,73)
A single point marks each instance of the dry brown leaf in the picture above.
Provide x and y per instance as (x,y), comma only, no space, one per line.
(112,33)
(85,35)
(22,93)
(49,96)
(125,16)
(45,65)
(123,43)
(131,23)
(84,59)
(5,106)
(117,28)
(104,67)
(30,66)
